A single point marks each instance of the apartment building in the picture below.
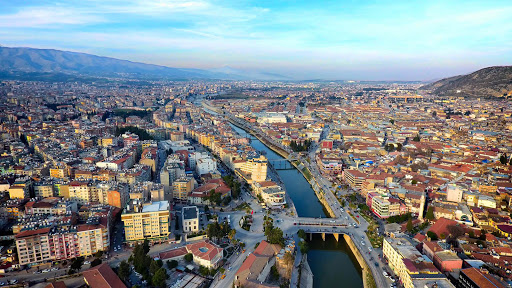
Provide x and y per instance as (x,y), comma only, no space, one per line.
(181,187)
(43,189)
(62,242)
(92,238)
(354,178)
(33,246)
(253,169)
(383,205)
(272,194)
(173,169)
(146,220)
(409,264)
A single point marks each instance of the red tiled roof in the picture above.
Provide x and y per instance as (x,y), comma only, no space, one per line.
(481,279)
(32,232)
(102,276)
(173,253)
(210,252)
(58,284)
(440,226)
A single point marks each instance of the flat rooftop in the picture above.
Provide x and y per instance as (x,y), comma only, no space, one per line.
(190,212)
(156,206)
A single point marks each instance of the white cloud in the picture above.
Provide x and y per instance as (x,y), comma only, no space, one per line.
(46,17)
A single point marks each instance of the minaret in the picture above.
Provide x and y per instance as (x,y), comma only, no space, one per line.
(422,206)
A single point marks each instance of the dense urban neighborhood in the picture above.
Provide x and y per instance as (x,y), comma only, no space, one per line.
(180,184)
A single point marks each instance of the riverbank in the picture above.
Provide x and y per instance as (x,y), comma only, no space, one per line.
(368,281)
(297,164)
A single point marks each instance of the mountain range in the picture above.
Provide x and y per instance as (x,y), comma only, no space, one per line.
(22,62)
(493,81)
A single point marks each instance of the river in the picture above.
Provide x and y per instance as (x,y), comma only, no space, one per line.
(331,262)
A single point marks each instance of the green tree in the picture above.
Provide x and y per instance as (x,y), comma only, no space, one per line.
(172,264)
(145,245)
(189,257)
(392,121)
(95,262)
(430,213)
(141,261)
(503,159)
(124,270)
(409,227)
(301,233)
(98,254)
(434,114)
(215,197)
(77,263)
(153,267)
(232,234)
(275,236)
(274,274)
(432,235)
(203,270)
(159,278)
(304,247)
(416,138)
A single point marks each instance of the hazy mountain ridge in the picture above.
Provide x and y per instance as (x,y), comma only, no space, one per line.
(495,81)
(32,60)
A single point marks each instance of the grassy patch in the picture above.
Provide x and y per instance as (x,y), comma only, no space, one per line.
(243,207)
(372,233)
(369,280)
(307,174)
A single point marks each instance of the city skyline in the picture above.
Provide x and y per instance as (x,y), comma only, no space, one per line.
(330,40)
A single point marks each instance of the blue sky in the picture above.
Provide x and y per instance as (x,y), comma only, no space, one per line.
(361,40)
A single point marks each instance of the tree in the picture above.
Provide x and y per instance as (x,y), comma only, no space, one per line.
(304,247)
(503,159)
(414,182)
(95,262)
(153,267)
(145,245)
(416,138)
(177,223)
(124,270)
(189,257)
(455,231)
(274,274)
(275,236)
(172,264)
(434,114)
(409,227)
(159,278)
(77,264)
(215,197)
(98,254)
(432,235)
(392,121)
(301,233)
(141,261)
(430,213)
(232,234)
(203,270)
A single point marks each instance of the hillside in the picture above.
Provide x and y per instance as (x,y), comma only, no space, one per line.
(493,81)
(22,63)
